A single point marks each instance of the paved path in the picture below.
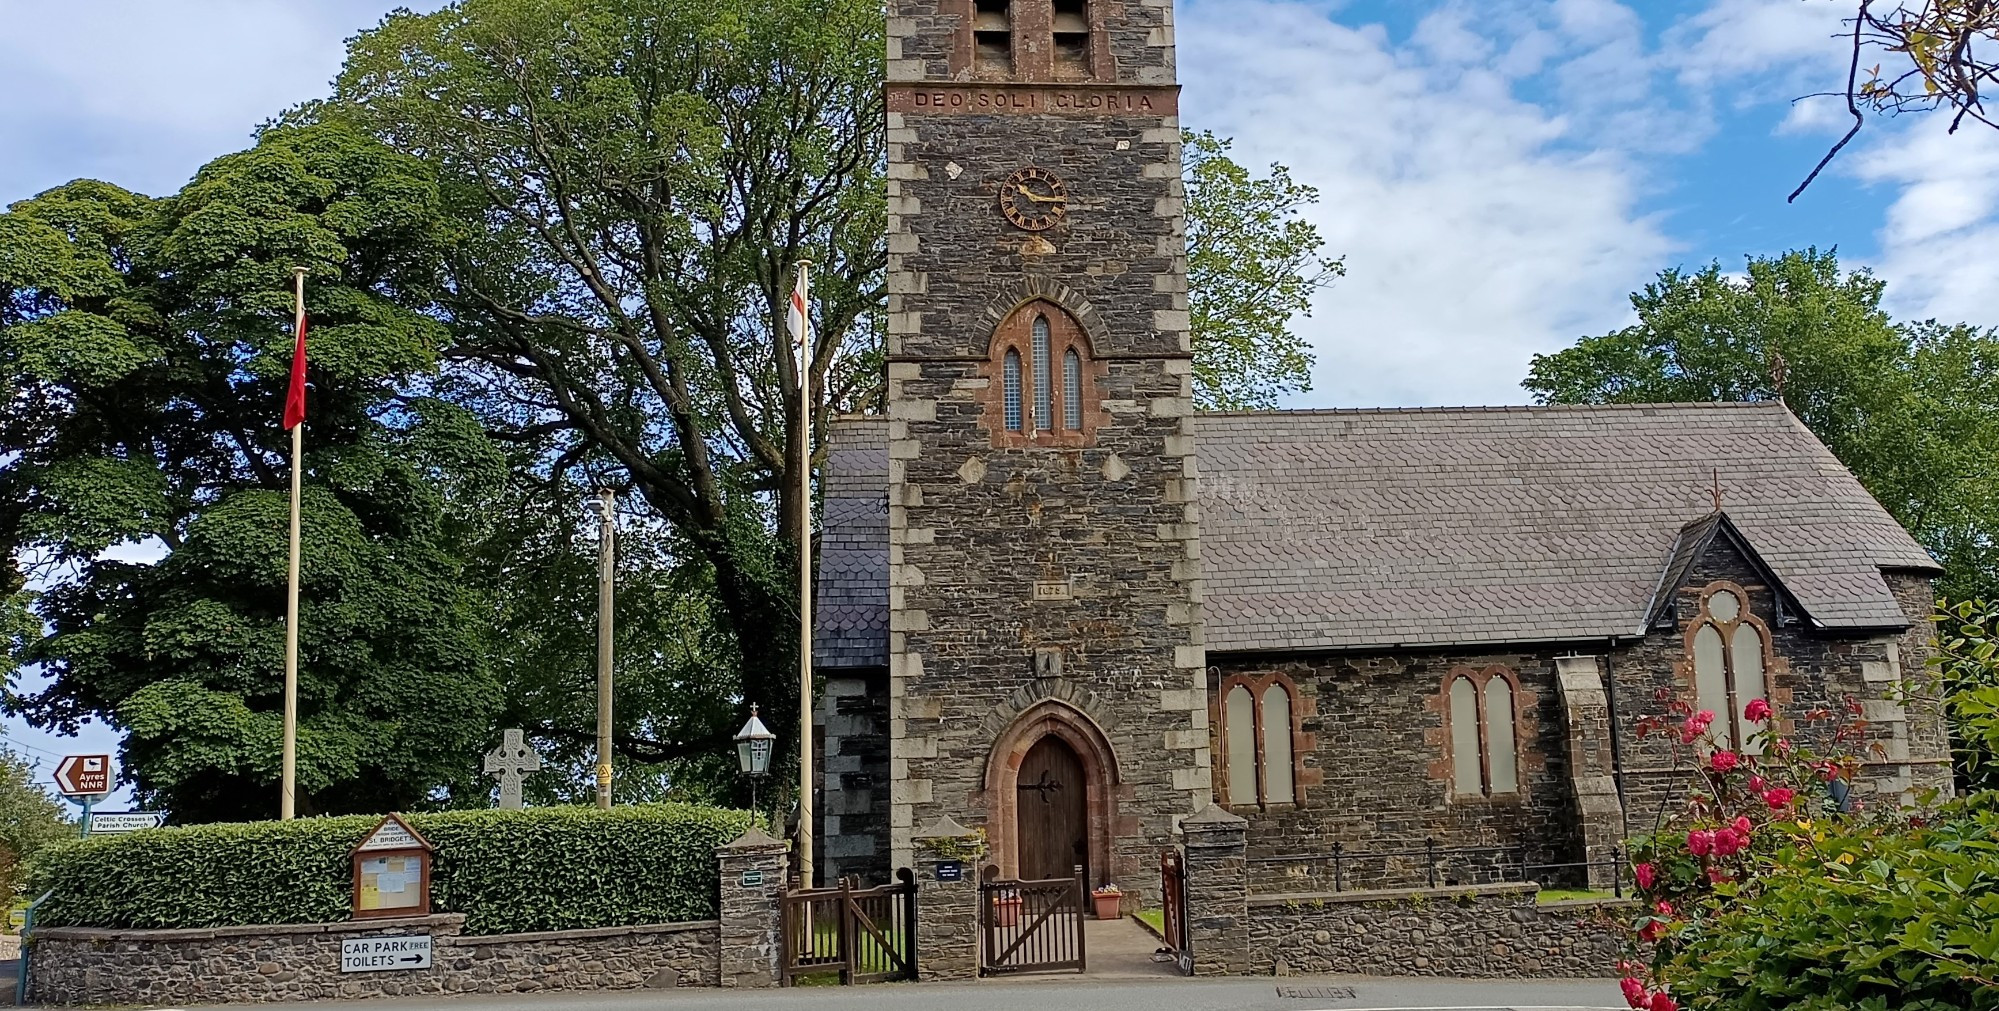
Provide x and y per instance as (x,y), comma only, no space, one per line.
(1046,993)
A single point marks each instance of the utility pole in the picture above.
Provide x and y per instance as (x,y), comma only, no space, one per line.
(607,504)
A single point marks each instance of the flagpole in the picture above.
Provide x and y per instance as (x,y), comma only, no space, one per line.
(805,805)
(287,805)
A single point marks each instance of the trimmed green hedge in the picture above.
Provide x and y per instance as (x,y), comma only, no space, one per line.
(555,868)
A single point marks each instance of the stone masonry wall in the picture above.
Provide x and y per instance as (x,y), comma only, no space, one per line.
(1489,932)
(853,834)
(1379,759)
(71,966)
(973,528)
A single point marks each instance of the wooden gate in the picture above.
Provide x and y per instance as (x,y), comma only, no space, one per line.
(1173,895)
(1030,926)
(864,934)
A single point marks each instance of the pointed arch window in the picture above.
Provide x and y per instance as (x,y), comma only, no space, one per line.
(1011,378)
(1482,715)
(1044,385)
(1259,727)
(1043,389)
(1727,646)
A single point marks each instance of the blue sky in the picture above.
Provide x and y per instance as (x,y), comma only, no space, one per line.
(1499,174)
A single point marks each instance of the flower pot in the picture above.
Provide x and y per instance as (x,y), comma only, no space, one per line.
(1006,912)
(1107,905)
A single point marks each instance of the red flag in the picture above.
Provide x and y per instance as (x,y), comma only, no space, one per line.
(295,398)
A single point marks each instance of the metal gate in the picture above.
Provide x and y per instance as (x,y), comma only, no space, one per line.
(1030,926)
(865,934)
(1173,895)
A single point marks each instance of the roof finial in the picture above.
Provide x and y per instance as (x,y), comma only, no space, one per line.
(1779,372)
(1717,489)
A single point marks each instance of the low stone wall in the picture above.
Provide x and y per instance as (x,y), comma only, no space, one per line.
(302,962)
(1470,931)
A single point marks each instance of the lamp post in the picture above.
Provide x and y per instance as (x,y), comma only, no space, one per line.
(754,744)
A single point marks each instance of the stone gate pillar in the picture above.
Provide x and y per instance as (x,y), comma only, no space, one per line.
(753,870)
(1217,891)
(948,856)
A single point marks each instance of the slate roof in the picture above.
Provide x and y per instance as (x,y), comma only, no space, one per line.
(1350,529)
(850,606)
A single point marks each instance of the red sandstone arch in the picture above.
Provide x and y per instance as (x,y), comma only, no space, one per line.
(1051,717)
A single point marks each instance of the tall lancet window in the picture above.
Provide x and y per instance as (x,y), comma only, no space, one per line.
(1072,390)
(1259,720)
(1044,380)
(1010,377)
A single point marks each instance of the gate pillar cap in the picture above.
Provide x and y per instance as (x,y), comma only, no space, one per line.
(1213,826)
(1212,817)
(756,841)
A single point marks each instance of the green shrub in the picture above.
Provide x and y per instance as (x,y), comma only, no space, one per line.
(1848,914)
(552,868)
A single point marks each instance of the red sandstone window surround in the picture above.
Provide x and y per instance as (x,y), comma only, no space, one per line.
(1258,760)
(1728,654)
(1041,380)
(1481,716)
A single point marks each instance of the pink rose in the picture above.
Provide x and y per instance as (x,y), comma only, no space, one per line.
(1700,842)
(1741,826)
(1645,874)
(1700,720)
(1663,1001)
(1778,797)
(1757,710)
(1634,992)
(1726,842)
(1722,761)
(1756,784)
(1650,931)
(1664,908)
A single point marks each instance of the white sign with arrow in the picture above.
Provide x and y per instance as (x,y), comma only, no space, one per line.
(382,954)
(104,822)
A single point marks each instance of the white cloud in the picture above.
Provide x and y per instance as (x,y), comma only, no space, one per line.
(143,93)
(1479,228)
(1938,241)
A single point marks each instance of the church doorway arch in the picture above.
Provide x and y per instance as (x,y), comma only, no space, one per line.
(1051,791)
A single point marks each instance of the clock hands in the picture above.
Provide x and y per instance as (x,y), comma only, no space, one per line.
(1031,195)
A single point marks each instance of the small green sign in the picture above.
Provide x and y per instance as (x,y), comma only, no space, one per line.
(753,879)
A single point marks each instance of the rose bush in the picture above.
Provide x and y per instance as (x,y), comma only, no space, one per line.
(1775,887)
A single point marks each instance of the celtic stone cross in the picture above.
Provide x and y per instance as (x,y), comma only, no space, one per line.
(510,763)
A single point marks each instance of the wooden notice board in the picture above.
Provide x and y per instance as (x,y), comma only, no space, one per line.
(392,871)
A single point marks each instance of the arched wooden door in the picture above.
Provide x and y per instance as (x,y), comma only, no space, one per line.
(1052,812)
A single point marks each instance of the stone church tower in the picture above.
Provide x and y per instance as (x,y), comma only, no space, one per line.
(1045,653)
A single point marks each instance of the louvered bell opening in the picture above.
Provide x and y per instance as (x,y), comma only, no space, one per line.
(1072,38)
(992,37)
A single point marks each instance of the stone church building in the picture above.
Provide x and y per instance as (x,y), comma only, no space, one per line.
(1057,604)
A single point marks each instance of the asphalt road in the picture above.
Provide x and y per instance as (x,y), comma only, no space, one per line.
(1263,994)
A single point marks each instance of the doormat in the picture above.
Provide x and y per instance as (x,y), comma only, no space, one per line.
(1319,992)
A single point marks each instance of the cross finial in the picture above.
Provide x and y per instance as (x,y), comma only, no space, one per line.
(1717,489)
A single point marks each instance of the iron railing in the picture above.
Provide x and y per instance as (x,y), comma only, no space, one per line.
(1347,868)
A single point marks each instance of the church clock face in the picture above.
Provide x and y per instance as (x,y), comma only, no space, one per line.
(1033,199)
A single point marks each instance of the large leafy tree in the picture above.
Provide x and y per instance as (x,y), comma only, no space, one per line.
(634,182)
(1253,265)
(1911,408)
(144,346)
